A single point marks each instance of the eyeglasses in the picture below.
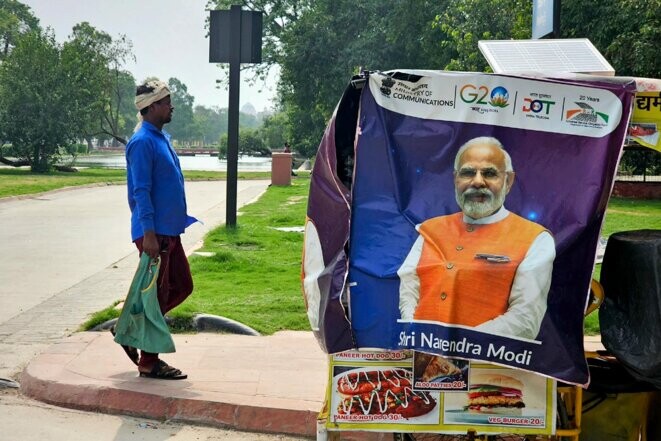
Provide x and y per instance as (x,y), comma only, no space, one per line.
(488,174)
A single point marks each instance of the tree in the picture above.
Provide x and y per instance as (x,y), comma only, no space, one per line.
(320,44)
(209,124)
(331,40)
(641,161)
(182,125)
(35,102)
(250,143)
(99,88)
(248,120)
(274,130)
(465,22)
(626,32)
(85,63)
(119,116)
(16,19)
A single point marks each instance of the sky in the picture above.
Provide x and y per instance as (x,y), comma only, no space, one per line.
(169,40)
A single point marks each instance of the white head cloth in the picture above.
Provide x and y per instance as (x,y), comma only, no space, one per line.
(160,91)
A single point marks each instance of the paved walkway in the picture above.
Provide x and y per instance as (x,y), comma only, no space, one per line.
(68,254)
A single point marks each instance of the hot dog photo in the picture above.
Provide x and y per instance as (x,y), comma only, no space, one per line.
(381,394)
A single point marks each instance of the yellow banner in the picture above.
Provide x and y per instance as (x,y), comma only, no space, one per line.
(646,120)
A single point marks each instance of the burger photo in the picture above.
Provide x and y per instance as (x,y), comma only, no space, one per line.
(495,394)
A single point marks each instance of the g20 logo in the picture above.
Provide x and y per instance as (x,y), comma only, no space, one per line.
(537,106)
(497,97)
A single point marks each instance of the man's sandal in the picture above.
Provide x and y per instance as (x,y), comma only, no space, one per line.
(164,371)
(130,351)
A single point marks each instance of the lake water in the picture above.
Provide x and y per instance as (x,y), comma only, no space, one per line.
(201,162)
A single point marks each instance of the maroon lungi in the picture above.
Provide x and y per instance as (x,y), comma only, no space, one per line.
(175,282)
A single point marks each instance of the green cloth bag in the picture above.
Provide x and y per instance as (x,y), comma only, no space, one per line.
(141,323)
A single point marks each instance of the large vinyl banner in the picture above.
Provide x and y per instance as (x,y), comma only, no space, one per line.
(469,224)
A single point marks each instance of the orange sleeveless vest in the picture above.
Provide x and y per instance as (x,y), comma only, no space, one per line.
(455,286)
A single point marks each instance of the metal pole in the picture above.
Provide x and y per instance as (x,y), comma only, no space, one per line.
(557,6)
(233,114)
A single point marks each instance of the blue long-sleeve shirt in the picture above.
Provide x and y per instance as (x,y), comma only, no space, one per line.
(155,184)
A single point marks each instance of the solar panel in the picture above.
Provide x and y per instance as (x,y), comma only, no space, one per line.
(576,55)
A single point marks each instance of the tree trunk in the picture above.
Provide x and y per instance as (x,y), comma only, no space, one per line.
(40,161)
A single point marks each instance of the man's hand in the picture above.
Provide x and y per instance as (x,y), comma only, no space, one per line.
(150,245)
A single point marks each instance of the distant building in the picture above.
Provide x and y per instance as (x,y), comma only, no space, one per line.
(249,109)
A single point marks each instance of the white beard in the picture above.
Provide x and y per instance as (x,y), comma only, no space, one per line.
(476,209)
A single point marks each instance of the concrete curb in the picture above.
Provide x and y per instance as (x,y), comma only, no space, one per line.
(215,323)
(175,409)
(68,374)
(201,323)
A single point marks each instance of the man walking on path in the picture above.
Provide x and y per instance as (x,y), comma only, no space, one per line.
(158,210)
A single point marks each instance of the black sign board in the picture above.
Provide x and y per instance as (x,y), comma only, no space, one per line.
(250,37)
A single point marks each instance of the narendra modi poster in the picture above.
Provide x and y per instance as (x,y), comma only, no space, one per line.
(458,214)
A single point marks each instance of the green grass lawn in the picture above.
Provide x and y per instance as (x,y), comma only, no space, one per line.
(254,274)
(631,214)
(17,182)
(20,181)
